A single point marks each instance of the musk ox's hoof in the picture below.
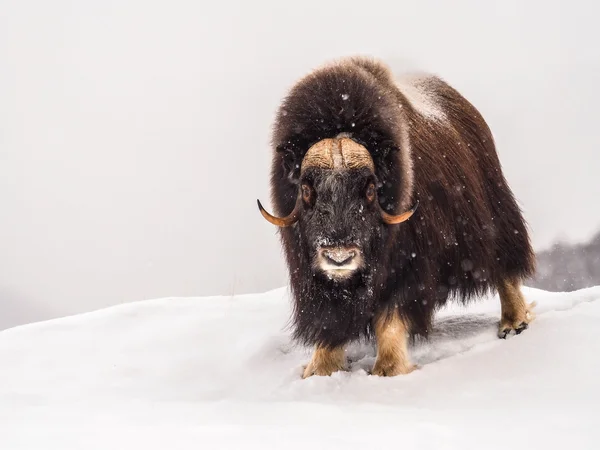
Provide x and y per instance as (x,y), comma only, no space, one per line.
(325,361)
(323,370)
(391,369)
(506,331)
(516,326)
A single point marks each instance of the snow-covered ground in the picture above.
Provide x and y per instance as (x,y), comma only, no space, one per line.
(212,373)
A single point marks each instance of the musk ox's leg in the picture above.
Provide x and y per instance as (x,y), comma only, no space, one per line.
(325,361)
(516,313)
(391,332)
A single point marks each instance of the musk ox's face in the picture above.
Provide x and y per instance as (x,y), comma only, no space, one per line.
(337,213)
(340,220)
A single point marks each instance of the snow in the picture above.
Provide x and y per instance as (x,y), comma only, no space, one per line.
(221,373)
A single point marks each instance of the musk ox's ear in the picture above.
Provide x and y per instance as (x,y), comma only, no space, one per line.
(385,153)
(290,162)
(386,163)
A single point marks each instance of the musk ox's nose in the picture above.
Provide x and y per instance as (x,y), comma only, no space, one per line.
(339,256)
(340,262)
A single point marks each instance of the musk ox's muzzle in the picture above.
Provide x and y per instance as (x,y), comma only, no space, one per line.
(339,262)
(334,154)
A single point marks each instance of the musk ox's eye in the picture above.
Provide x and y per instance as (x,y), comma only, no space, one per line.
(307,194)
(370,194)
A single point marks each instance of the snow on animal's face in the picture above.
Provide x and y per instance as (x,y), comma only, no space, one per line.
(340,222)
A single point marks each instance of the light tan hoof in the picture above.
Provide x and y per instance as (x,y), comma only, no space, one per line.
(392,368)
(518,323)
(324,362)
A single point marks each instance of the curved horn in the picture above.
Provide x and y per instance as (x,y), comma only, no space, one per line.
(286,221)
(392,220)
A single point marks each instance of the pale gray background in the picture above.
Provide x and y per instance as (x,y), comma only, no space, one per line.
(134,134)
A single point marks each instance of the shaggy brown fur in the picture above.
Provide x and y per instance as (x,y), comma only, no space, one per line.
(428,144)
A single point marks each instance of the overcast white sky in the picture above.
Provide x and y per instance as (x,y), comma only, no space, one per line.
(134,134)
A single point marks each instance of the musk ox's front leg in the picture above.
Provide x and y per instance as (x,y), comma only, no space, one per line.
(391,332)
(516,313)
(325,361)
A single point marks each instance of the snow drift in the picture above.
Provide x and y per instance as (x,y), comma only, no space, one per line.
(221,372)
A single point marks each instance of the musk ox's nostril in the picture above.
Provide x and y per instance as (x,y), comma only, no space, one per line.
(339,256)
(340,263)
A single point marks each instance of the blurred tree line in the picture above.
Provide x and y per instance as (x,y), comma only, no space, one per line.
(568,267)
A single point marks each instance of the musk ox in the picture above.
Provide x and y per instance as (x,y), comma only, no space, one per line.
(390,200)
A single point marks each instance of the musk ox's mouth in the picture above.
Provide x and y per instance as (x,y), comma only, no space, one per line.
(339,274)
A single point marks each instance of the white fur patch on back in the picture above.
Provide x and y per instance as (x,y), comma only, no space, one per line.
(415,89)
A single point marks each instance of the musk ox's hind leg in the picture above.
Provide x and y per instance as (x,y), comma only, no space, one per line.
(392,336)
(325,361)
(516,313)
